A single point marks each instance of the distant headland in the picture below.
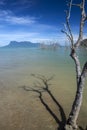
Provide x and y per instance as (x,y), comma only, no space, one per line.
(22,44)
(28,44)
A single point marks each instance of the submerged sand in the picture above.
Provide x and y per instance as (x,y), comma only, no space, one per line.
(23,110)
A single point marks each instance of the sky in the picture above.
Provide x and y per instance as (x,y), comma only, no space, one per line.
(35,20)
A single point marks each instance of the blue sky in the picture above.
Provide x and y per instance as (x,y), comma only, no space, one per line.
(34,20)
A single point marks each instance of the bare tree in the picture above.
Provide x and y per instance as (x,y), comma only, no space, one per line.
(80,72)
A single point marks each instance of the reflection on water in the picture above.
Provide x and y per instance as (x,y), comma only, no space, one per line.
(17,106)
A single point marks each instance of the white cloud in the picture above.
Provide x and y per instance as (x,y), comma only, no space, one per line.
(9,17)
(20,20)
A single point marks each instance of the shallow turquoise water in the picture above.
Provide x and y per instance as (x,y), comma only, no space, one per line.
(20,63)
(17,65)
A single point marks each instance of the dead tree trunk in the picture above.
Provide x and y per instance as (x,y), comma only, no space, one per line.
(80,74)
(73,116)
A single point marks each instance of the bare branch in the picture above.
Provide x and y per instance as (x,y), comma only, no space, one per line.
(70,5)
(67,19)
(66,34)
(69,32)
(76,5)
(82,22)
